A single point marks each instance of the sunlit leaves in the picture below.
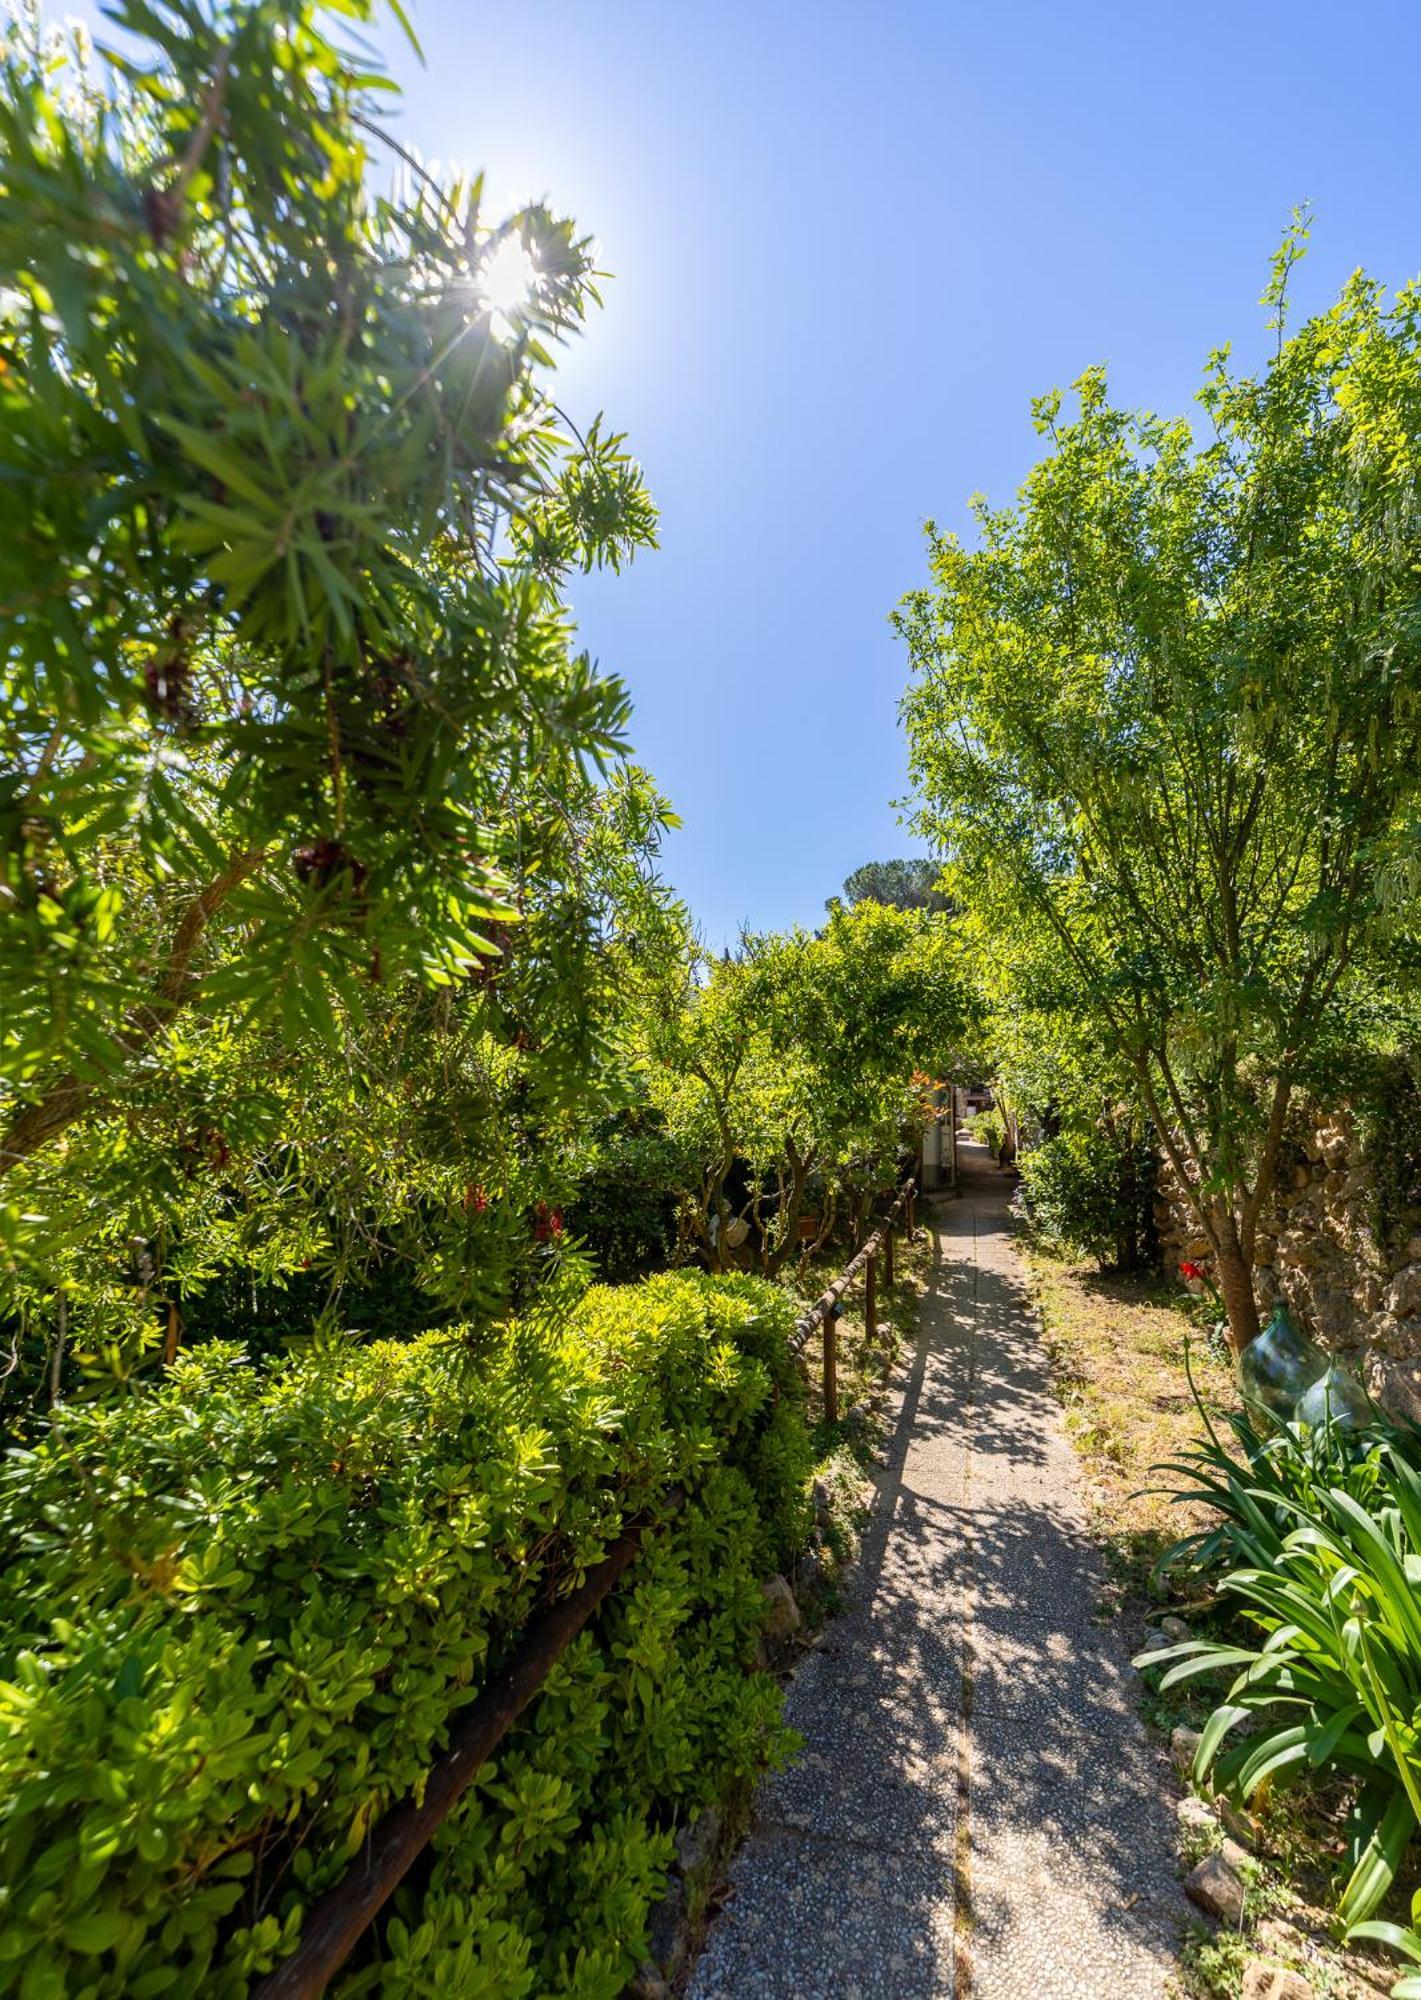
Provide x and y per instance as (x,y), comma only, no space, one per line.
(288,517)
(1165,719)
(280,1587)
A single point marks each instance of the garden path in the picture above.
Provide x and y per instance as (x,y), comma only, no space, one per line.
(978,1810)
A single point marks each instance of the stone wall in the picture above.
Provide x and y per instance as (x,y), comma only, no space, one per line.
(1319,1251)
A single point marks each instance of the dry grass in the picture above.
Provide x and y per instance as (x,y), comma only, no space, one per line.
(1117,1352)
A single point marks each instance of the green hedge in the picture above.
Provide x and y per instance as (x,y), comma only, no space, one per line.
(1093,1193)
(237,1613)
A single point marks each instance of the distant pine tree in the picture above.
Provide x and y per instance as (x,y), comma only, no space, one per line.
(903,885)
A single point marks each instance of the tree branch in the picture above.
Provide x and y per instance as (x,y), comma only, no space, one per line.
(71,1095)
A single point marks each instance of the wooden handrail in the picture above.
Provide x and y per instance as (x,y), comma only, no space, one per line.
(339,1919)
(828,1299)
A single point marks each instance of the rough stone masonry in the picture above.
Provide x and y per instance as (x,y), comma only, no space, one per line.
(1320,1251)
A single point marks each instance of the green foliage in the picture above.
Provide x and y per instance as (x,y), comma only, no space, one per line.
(624,1210)
(797,1058)
(265,430)
(902,885)
(1389,1104)
(319,866)
(1403,1940)
(240,1610)
(989,1128)
(1092,1192)
(1324,1545)
(245,1175)
(1166,723)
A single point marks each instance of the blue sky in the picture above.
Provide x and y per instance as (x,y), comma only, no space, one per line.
(850,243)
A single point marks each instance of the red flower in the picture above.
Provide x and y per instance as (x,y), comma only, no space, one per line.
(475,1200)
(548,1223)
(1192,1271)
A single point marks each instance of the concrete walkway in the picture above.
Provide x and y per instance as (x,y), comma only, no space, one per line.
(977,1810)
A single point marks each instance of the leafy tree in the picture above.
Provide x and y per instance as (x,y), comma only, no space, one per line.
(902,885)
(1087,1153)
(796,1059)
(317,855)
(1165,723)
(414,1171)
(286,509)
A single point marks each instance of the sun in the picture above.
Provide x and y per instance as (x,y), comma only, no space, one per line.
(507,280)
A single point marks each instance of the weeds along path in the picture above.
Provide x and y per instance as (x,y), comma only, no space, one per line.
(977,1810)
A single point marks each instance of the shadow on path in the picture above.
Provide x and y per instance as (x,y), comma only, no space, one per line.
(977,1807)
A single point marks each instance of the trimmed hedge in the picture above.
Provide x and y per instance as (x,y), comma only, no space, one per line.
(278,1583)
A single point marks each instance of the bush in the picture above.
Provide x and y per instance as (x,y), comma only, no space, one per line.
(1325,1539)
(277,1586)
(989,1128)
(624,1211)
(1092,1194)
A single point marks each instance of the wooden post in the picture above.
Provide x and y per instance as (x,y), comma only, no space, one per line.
(888,1258)
(911,1230)
(952,1130)
(831,1366)
(870,1301)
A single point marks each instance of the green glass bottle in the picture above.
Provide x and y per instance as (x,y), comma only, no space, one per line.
(1279,1366)
(1336,1401)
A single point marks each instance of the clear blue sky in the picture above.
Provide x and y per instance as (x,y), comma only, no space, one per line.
(850,243)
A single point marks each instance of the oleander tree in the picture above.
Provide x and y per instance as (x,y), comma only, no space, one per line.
(412,1170)
(313,814)
(1165,723)
(287,507)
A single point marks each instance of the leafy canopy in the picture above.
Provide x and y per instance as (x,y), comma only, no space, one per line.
(1165,719)
(796,1057)
(903,885)
(286,510)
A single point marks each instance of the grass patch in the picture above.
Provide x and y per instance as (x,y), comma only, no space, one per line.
(1116,1346)
(862,1364)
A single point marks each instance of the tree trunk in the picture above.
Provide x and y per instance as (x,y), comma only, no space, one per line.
(1236,1284)
(790,1209)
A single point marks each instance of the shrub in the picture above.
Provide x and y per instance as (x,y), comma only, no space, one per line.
(1326,1541)
(989,1128)
(239,1612)
(1092,1193)
(624,1210)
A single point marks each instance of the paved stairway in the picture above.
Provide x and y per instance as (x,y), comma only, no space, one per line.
(977,1810)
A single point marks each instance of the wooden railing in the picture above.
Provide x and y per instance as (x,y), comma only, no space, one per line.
(338,1919)
(827,1309)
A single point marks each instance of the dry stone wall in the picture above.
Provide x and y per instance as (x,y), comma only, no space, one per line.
(1320,1252)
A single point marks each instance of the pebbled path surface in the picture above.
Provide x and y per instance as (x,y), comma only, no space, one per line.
(978,1810)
